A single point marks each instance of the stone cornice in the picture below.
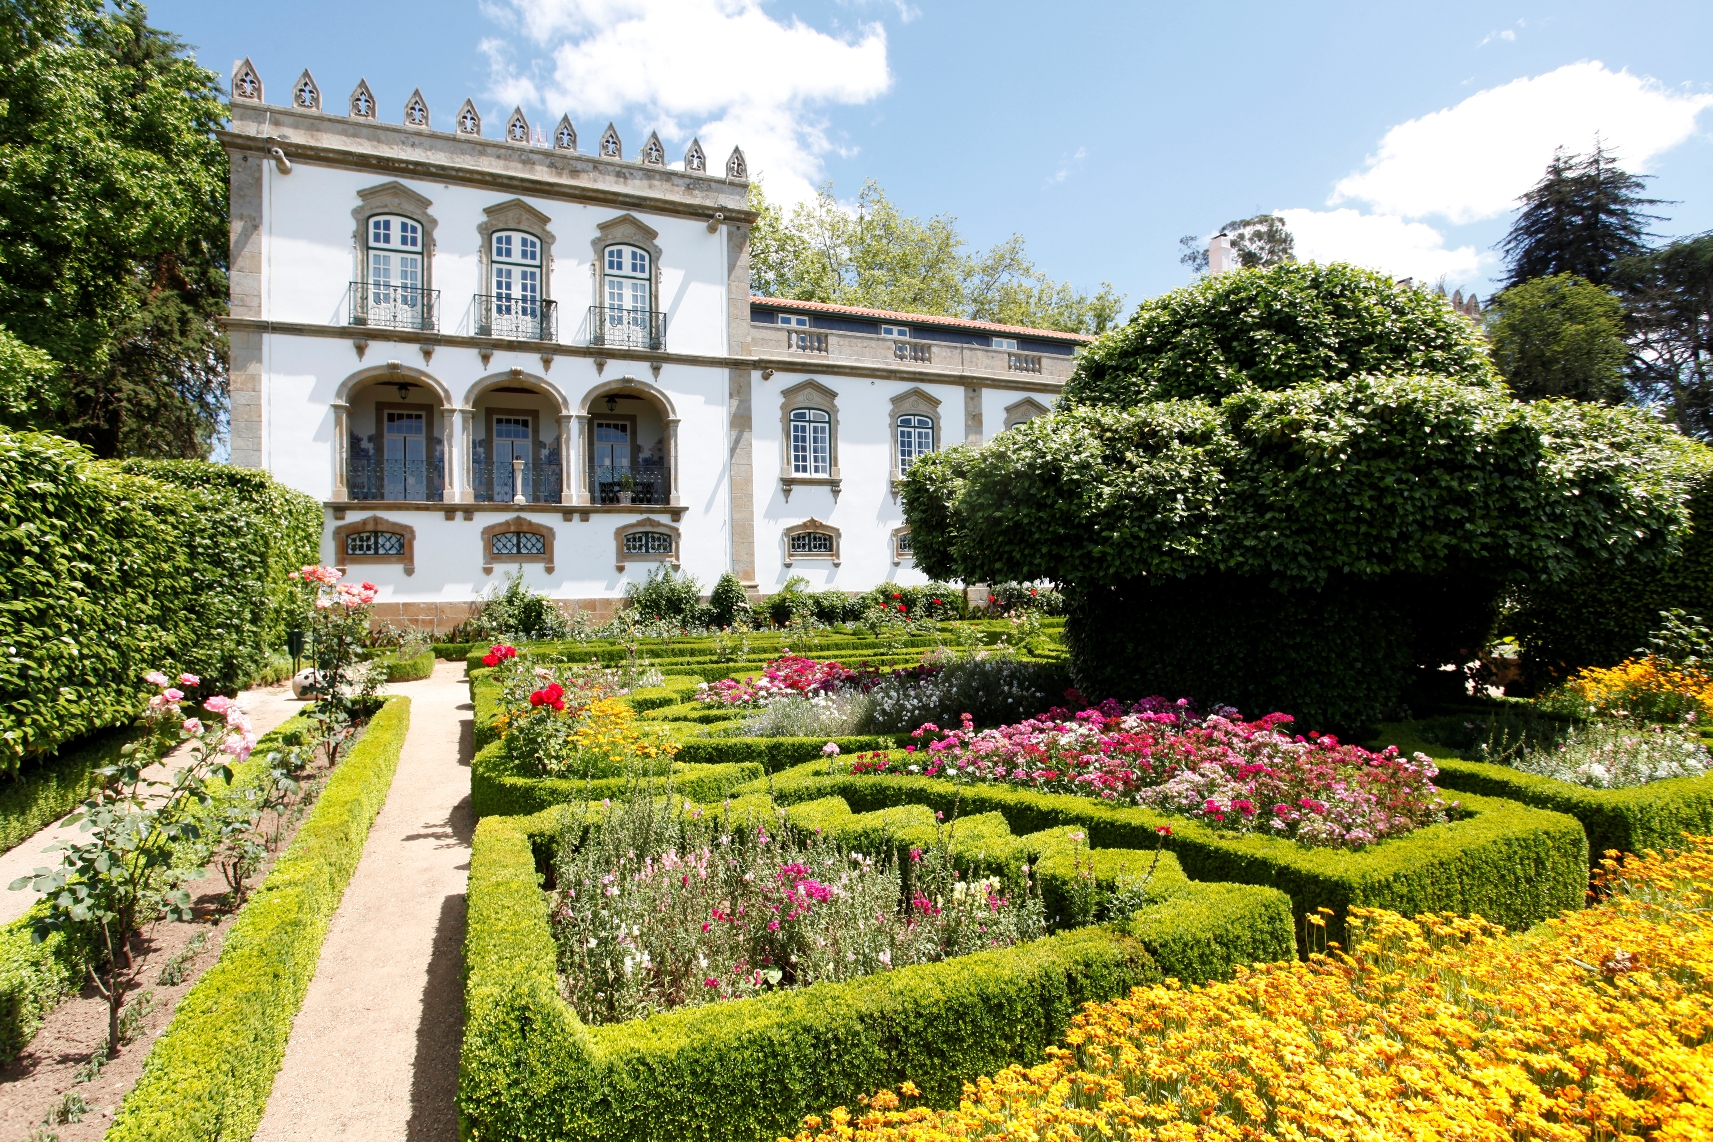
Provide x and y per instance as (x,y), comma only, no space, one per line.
(485,166)
(812,367)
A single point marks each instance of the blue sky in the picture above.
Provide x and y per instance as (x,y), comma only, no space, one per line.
(1390,134)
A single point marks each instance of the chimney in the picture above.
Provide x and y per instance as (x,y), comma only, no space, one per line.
(1220,256)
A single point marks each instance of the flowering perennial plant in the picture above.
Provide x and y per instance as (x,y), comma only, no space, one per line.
(1246,777)
(1620,754)
(498,653)
(1651,688)
(568,722)
(1595,1025)
(781,677)
(657,907)
(339,622)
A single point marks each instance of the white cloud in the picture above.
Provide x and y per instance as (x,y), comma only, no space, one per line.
(1507,35)
(1383,242)
(1471,161)
(723,70)
(1066,164)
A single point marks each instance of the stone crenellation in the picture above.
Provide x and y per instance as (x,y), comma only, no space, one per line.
(306,96)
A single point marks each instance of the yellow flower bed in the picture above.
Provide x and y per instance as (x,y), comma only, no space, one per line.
(609,733)
(1596,1025)
(1646,687)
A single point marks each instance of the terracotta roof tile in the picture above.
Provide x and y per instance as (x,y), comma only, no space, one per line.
(917,318)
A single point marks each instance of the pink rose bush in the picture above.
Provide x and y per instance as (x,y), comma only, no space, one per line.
(233,735)
(791,674)
(1238,776)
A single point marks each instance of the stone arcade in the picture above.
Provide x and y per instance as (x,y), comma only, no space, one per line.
(484,354)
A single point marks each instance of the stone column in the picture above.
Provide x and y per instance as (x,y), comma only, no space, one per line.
(466,454)
(674,494)
(341,450)
(449,434)
(972,414)
(580,458)
(567,458)
(741,474)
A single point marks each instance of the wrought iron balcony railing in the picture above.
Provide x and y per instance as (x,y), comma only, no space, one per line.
(627,328)
(628,485)
(499,483)
(403,480)
(395,306)
(516,318)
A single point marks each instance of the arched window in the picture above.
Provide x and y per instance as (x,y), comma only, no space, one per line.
(394,267)
(915,439)
(628,279)
(517,543)
(516,261)
(811,442)
(648,543)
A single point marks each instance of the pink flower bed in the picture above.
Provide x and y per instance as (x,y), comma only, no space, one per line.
(794,675)
(1245,777)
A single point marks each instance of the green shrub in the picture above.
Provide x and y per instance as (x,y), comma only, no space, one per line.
(668,594)
(210,1072)
(452,651)
(1511,863)
(112,570)
(496,789)
(50,786)
(410,669)
(751,1069)
(729,602)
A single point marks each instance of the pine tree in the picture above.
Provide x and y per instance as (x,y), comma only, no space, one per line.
(1584,214)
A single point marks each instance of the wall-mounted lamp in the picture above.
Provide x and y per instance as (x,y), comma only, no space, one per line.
(612,404)
(404,389)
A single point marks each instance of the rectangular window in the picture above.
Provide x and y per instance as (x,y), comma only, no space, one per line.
(648,543)
(903,545)
(915,439)
(374,543)
(811,543)
(894,331)
(789,319)
(519,543)
(1004,342)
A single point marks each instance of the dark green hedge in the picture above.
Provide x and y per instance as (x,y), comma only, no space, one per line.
(410,669)
(1602,617)
(1511,863)
(495,790)
(110,570)
(750,1070)
(775,754)
(47,788)
(209,1074)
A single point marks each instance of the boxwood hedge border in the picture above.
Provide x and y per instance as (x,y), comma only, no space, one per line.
(750,1070)
(1513,864)
(210,1072)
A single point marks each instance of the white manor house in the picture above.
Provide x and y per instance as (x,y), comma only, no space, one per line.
(491,353)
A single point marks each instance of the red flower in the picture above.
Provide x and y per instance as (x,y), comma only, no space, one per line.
(896,595)
(1163,830)
(489,659)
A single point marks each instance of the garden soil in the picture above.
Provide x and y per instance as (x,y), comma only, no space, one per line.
(374,1051)
(42,1076)
(268,707)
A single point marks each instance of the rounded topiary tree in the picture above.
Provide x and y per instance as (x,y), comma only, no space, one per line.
(1295,516)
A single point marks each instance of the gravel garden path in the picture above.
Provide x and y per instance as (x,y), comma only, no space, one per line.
(268,707)
(374,1051)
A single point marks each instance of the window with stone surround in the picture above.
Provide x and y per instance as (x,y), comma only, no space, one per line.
(809,436)
(646,541)
(811,540)
(516,540)
(375,539)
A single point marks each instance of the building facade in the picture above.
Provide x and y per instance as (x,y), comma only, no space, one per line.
(485,354)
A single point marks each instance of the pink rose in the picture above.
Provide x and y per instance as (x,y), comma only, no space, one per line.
(189,680)
(172,695)
(193,727)
(156,678)
(217,704)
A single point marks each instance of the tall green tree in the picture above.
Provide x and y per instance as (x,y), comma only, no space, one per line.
(1559,336)
(1583,216)
(1263,240)
(872,255)
(1668,299)
(112,227)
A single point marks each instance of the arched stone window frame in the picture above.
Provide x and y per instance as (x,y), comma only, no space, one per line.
(899,557)
(375,523)
(517,523)
(514,214)
(809,525)
(648,523)
(808,394)
(626,230)
(912,402)
(393,197)
(1024,411)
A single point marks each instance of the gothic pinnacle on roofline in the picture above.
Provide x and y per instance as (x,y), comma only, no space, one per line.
(306,96)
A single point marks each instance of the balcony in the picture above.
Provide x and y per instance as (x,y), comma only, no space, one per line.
(627,485)
(627,328)
(395,307)
(779,344)
(501,483)
(516,318)
(422,481)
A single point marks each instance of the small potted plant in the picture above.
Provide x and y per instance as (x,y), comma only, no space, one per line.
(627,485)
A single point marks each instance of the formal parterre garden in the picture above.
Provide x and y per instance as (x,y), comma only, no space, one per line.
(1302,781)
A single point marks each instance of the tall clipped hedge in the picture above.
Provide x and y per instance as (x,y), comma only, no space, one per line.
(1602,616)
(109,570)
(1253,496)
